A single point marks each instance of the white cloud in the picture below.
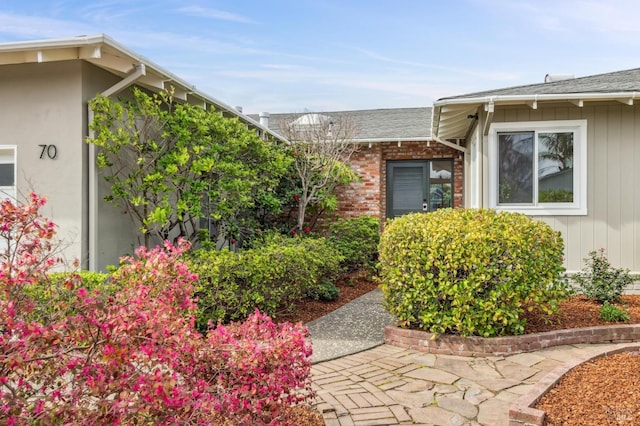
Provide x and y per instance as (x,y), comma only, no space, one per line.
(109,11)
(216,14)
(32,27)
(576,16)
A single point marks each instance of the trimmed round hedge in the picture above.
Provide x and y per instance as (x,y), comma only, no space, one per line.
(470,271)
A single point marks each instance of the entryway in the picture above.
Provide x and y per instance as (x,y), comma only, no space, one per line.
(419,185)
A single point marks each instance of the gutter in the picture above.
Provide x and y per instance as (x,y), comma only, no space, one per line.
(139,71)
(489,102)
(404,139)
(414,139)
(539,97)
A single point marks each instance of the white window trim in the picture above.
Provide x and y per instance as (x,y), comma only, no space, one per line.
(11,192)
(579,128)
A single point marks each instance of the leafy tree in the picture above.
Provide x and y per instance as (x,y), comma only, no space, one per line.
(322,147)
(559,148)
(171,164)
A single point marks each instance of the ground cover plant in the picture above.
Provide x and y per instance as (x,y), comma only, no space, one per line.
(133,356)
(469,272)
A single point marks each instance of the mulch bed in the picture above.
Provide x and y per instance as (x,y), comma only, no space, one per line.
(577,312)
(602,392)
(351,286)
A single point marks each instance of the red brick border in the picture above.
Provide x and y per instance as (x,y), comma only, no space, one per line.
(522,412)
(507,345)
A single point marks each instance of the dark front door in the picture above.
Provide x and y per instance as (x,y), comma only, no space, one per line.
(416,186)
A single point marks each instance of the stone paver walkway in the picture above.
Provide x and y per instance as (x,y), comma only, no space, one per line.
(387,385)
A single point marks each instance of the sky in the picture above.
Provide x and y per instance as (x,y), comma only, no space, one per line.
(331,55)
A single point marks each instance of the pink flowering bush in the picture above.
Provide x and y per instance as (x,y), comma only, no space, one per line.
(134,357)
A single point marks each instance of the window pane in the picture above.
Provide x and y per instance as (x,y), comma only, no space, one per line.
(555,167)
(6,175)
(515,173)
(408,188)
(440,184)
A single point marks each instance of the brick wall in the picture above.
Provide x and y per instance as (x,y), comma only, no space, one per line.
(451,344)
(369,196)
(363,198)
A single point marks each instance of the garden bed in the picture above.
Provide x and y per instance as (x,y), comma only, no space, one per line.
(578,321)
(600,389)
(351,287)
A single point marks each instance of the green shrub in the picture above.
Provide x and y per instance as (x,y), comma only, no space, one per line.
(326,291)
(357,240)
(555,196)
(58,288)
(598,280)
(611,313)
(270,278)
(469,271)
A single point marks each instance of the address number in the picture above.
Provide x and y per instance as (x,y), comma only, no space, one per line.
(48,151)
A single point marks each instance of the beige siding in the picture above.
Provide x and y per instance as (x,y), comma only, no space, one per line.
(41,106)
(116,233)
(613,192)
(46,104)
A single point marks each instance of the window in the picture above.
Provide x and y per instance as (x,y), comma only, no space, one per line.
(539,167)
(7,172)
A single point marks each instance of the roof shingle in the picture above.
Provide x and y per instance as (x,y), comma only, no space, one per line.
(375,124)
(619,81)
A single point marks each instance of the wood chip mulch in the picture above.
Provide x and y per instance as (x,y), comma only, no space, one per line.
(599,393)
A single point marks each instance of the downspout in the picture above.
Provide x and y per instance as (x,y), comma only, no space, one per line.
(139,71)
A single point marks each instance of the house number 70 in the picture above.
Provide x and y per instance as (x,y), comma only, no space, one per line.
(50,151)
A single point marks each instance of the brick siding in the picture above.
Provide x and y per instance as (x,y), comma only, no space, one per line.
(368,197)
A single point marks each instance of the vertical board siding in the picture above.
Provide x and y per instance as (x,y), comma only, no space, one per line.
(613,197)
(626,170)
(587,229)
(598,189)
(635,191)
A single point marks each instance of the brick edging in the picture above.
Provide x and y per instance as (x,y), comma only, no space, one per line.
(522,411)
(507,345)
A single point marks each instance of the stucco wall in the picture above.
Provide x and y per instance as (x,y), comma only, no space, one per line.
(46,104)
(116,234)
(41,105)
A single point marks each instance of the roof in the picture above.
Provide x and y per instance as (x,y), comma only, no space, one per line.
(104,52)
(454,117)
(619,81)
(374,125)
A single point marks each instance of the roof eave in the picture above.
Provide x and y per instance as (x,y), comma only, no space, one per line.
(444,109)
(402,139)
(162,78)
(498,99)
